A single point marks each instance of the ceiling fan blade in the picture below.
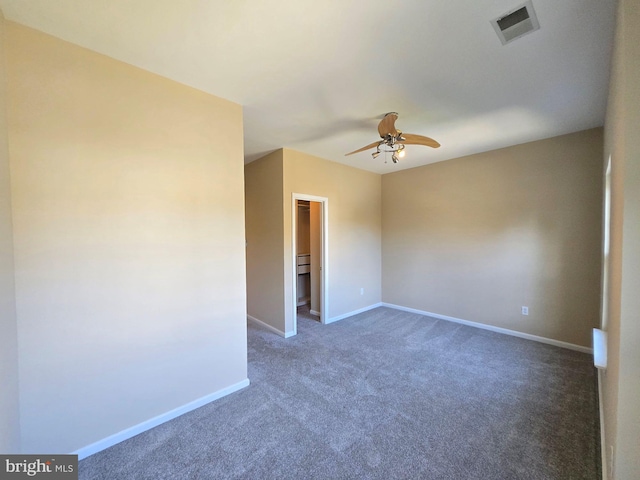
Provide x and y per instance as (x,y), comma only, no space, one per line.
(371,145)
(387,125)
(412,139)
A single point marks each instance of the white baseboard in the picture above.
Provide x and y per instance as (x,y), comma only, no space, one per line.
(505,331)
(603,443)
(111,440)
(355,312)
(271,328)
(313,312)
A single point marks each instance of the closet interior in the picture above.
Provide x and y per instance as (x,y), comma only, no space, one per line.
(308,257)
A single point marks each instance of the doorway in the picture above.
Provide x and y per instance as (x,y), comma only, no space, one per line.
(309,242)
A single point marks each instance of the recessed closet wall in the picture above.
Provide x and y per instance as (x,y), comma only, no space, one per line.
(303,251)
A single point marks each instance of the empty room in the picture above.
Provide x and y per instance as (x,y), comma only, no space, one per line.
(279,239)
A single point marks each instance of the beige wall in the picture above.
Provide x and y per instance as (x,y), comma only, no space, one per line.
(264,217)
(621,381)
(354,234)
(354,230)
(129,242)
(479,237)
(9,406)
(304,230)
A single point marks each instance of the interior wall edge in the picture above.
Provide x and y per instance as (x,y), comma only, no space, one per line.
(354,312)
(603,443)
(270,327)
(491,328)
(10,432)
(130,432)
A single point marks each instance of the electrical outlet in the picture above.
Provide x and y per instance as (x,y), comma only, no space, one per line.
(525,310)
(362,291)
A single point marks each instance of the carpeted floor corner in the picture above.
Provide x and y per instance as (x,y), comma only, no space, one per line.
(382,395)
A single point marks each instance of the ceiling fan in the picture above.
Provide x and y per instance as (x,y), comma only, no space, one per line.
(393,140)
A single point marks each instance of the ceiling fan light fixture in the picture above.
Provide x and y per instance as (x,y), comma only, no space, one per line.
(393,140)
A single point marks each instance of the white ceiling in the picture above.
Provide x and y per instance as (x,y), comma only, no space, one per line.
(317,75)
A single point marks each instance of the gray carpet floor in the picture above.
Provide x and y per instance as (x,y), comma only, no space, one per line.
(382,395)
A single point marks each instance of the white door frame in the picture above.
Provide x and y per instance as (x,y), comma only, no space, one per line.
(324,248)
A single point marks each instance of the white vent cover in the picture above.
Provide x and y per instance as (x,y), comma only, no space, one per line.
(516,23)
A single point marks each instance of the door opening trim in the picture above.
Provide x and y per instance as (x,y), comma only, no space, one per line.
(324,249)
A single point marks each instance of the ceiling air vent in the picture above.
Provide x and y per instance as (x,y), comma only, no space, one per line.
(516,23)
